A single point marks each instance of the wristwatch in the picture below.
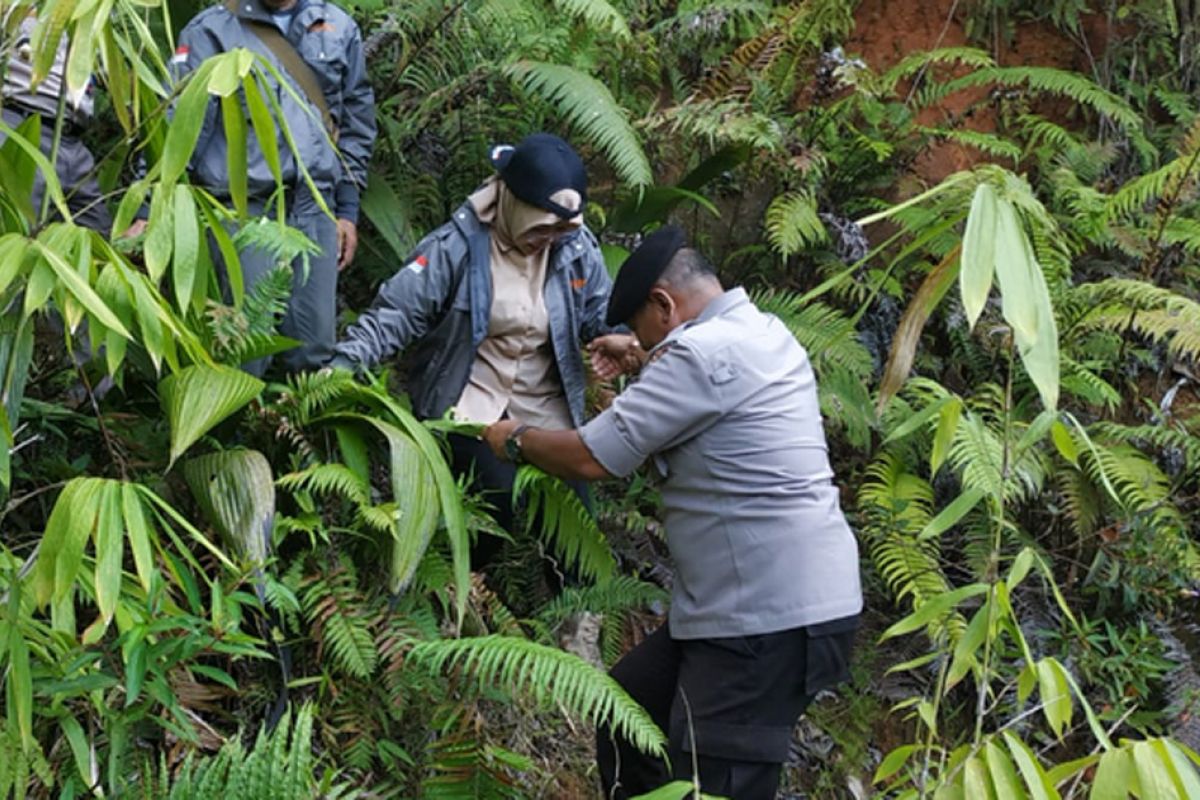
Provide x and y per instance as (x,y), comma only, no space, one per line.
(512,445)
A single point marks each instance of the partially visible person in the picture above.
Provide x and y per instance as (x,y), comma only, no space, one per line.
(318,48)
(74,165)
(766,594)
(493,307)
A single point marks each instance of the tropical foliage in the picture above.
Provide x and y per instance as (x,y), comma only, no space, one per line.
(212,583)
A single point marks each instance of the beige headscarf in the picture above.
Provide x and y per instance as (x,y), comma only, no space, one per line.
(510,217)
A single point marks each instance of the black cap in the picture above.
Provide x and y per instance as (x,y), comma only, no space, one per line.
(539,166)
(641,270)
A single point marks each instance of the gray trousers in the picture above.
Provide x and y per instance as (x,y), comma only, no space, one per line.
(311,317)
(75,169)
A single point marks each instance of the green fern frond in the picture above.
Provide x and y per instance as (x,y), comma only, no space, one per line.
(279,765)
(590,108)
(895,507)
(598,14)
(1139,484)
(1162,437)
(793,225)
(988,143)
(1121,305)
(313,392)
(1083,503)
(465,768)
(547,675)
(566,522)
(827,334)
(1049,80)
(1082,382)
(335,608)
(621,593)
(336,479)
(917,62)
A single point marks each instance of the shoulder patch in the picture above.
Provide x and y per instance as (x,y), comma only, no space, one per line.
(418,264)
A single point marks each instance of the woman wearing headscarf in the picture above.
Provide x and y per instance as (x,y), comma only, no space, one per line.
(494,306)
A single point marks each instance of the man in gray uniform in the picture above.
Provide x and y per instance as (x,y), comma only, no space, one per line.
(328,43)
(766,594)
(73,165)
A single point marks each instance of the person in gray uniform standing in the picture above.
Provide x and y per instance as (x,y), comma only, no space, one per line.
(318,48)
(766,595)
(74,165)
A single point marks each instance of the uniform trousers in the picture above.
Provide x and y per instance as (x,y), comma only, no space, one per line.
(727,705)
(75,169)
(311,317)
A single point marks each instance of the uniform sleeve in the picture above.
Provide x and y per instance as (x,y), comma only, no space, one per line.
(356,129)
(404,310)
(674,400)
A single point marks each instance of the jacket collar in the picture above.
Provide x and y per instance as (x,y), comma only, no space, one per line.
(724,303)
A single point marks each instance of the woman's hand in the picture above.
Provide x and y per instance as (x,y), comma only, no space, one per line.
(615,354)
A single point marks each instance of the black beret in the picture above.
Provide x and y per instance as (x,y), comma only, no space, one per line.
(641,270)
(537,167)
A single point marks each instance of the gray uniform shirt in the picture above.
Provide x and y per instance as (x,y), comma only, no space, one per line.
(729,412)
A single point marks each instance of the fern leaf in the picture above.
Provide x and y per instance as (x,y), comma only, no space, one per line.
(793,224)
(590,108)
(548,675)
(598,14)
(1054,81)
(566,522)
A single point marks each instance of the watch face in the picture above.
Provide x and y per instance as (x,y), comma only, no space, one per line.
(512,448)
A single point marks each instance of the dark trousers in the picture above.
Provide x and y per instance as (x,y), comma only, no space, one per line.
(727,705)
(75,169)
(493,479)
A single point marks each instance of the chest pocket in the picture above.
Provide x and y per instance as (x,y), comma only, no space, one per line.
(322,45)
(724,373)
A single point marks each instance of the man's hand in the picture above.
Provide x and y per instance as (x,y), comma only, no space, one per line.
(614,354)
(497,434)
(347,242)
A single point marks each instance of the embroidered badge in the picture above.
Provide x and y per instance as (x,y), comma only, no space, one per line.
(578,283)
(418,264)
(181,55)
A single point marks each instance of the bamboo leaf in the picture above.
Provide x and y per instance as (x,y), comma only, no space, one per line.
(949,516)
(1056,695)
(947,426)
(978,253)
(932,609)
(1115,776)
(1036,781)
(79,288)
(186,248)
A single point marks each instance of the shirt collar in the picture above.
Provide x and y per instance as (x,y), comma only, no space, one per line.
(727,301)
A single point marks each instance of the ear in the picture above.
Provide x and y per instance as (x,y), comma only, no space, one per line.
(662,302)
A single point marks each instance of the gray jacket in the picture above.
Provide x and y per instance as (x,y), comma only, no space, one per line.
(441,302)
(43,98)
(329,41)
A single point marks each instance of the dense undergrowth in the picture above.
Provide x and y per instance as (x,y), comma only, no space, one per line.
(1006,357)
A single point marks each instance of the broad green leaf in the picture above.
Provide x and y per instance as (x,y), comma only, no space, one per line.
(19,682)
(947,426)
(1064,443)
(139,533)
(976,783)
(135,670)
(1183,773)
(918,420)
(265,130)
(234,121)
(186,249)
(1014,274)
(1115,776)
(236,491)
(978,253)
(1153,772)
(187,120)
(1020,567)
(933,609)
(1036,781)
(160,231)
(967,645)
(38,287)
(109,539)
(893,761)
(1004,777)
(1055,694)
(82,56)
(198,397)
(80,749)
(949,516)
(53,187)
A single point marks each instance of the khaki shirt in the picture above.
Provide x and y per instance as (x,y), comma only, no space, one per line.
(514,372)
(728,411)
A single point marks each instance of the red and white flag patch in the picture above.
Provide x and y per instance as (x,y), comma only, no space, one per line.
(181,55)
(418,264)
